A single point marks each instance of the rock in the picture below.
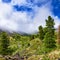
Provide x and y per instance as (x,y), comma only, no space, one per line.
(58,58)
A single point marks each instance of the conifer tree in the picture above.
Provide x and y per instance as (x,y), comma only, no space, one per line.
(4,43)
(41,33)
(49,39)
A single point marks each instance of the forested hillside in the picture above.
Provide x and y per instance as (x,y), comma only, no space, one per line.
(44,45)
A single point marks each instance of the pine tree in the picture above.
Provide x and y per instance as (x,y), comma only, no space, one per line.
(4,40)
(49,39)
(41,33)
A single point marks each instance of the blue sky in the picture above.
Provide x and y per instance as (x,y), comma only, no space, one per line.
(27,15)
(56,7)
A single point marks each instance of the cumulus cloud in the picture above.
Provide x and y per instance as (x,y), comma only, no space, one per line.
(18,21)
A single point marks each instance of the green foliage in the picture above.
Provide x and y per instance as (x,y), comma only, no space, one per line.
(45,57)
(4,40)
(49,38)
(31,46)
(49,41)
(50,22)
(16,36)
(45,30)
(36,44)
(41,33)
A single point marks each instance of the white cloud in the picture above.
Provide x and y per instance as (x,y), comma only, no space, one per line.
(19,2)
(5,22)
(21,21)
(57,21)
